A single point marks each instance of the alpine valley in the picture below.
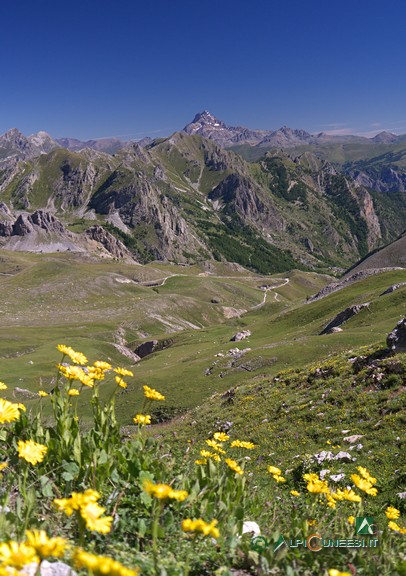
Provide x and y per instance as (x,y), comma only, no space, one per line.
(239,290)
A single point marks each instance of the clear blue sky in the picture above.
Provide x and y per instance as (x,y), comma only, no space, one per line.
(128,68)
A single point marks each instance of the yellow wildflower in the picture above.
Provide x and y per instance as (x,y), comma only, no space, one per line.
(42,393)
(311,477)
(3,386)
(364,485)
(274,470)
(164,492)
(330,500)
(31,451)
(351,520)
(392,513)
(234,466)
(315,485)
(76,501)
(17,555)
(94,372)
(92,513)
(102,365)
(8,411)
(45,546)
(21,407)
(73,392)
(152,394)
(123,372)
(199,525)
(334,572)
(242,444)
(393,526)
(3,465)
(295,493)
(346,494)
(120,382)
(221,436)
(76,357)
(76,373)
(216,446)
(141,419)
(278,478)
(201,461)
(366,475)
(101,565)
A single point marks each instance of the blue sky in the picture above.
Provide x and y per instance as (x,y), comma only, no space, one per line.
(129,68)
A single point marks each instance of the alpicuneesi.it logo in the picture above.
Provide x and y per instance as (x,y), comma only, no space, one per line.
(364,526)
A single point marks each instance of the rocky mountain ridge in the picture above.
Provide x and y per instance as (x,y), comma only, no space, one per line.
(185,199)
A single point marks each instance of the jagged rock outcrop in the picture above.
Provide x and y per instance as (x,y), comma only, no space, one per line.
(47,222)
(396,340)
(393,288)
(6,229)
(115,247)
(344,316)
(22,226)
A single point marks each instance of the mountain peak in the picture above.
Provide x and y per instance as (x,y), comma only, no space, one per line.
(385,137)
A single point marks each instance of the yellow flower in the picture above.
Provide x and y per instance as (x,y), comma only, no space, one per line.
(141,419)
(315,485)
(199,525)
(31,451)
(8,411)
(295,493)
(76,501)
(216,446)
(3,465)
(21,407)
(366,475)
(152,394)
(123,372)
(17,555)
(102,365)
(274,470)
(351,520)
(330,500)
(221,436)
(278,478)
(234,466)
(42,393)
(311,522)
(94,372)
(242,444)
(392,513)
(334,572)
(393,526)
(101,565)
(73,392)
(76,373)
(3,386)
(164,492)
(201,461)
(364,485)
(120,382)
(45,546)
(76,357)
(346,494)
(92,513)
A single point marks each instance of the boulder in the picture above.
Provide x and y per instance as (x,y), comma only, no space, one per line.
(393,288)
(334,330)
(146,348)
(241,336)
(396,340)
(6,229)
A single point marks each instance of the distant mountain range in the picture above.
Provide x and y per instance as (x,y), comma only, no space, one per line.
(305,201)
(203,124)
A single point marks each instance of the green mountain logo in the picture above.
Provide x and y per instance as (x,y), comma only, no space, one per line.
(280,542)
(365,525)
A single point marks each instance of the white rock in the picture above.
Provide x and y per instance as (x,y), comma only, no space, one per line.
(49,569)
(353,439)
(252,527)
(337,477)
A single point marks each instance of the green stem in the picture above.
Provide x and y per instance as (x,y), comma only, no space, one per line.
(155,526)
